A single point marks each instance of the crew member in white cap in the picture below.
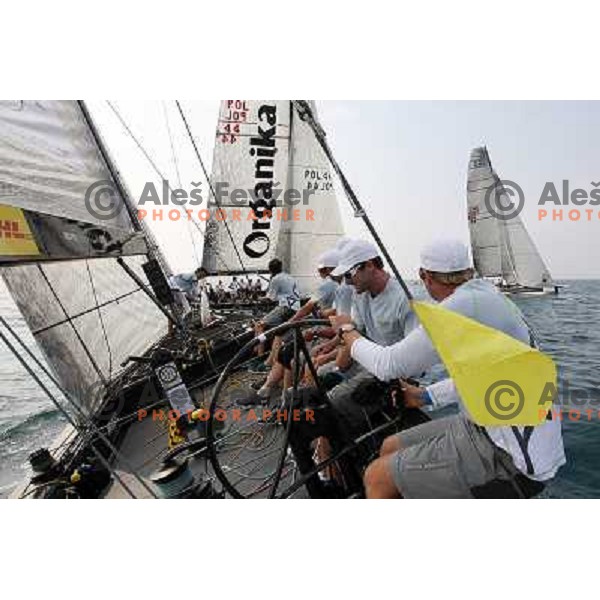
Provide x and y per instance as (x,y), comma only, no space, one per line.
(381,311)
(324,296)
(321,300)
(453,457)
(345,292)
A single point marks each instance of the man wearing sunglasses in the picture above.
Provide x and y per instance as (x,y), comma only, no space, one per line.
(380,311)
(453,457)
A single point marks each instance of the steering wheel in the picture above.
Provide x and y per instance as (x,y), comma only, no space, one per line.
(227,447)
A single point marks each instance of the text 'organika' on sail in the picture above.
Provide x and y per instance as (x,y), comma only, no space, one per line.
(251,153)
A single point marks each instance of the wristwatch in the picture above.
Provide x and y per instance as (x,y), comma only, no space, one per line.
(346,328)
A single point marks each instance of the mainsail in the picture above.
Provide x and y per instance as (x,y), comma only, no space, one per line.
(58,246)
(486,234)
(501,247)
(265,149)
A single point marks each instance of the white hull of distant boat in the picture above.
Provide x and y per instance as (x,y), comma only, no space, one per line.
(529,292)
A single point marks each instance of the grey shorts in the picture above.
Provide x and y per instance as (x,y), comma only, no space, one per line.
(444,458)
(279,315)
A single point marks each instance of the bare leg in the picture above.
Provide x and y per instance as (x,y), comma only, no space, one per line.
(322,449)
(275,375)
(378,480)
(390,445)
(275,347)
(259,329)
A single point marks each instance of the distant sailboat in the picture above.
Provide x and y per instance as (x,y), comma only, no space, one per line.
(502,248)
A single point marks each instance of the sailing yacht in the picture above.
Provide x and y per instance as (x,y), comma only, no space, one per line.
(503,250)
(90,282)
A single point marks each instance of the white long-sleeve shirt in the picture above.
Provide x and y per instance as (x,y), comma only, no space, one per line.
(479,300)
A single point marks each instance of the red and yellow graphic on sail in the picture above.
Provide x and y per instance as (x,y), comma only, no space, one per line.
(16,238)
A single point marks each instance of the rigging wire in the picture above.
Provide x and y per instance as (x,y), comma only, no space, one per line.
(101,318)
(210,185)
(155,167)
(72,324)
(178,173)
(73,404)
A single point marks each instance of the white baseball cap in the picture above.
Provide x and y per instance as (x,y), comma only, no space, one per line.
(446,256)
(328,259)
(342,243)
(354,253)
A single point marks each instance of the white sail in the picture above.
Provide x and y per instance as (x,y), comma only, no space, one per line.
(501,247)
(484,228)
(58,199)
(527,267)
(251,155)
(319,226)
(86,313)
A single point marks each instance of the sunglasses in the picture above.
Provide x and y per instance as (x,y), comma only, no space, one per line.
(354,270)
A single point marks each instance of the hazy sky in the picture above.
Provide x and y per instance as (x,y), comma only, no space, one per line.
(407,161)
